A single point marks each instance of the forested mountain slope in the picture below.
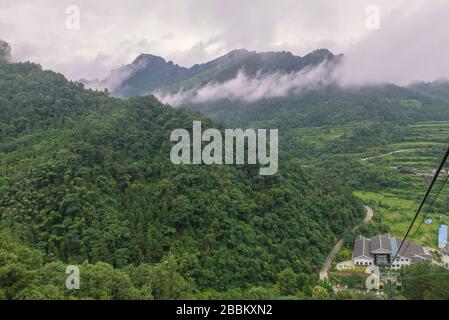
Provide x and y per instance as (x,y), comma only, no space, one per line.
(437,89)
(87,177)
(372,115)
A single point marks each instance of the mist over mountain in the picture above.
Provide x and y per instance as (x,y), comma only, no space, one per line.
(144,74)
(437,89)
(150,74)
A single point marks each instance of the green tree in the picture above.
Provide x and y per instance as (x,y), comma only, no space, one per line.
(424,281)
(319,293)
(287,282)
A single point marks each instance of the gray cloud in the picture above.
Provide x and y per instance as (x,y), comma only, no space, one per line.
(114,32)
(411,44)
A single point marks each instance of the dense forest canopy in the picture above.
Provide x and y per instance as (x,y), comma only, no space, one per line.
(86,179)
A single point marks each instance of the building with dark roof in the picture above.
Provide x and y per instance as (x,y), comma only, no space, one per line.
(365,251)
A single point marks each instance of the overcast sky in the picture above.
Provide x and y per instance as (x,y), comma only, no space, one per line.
(114,32)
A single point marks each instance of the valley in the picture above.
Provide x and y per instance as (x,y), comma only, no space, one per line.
(422,147)
(411,161)
(406,170)
(384,157)
(189,151)
(379,143)
(87,179)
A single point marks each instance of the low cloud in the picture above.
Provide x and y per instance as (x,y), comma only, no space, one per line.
(250,89)
(116,77)
(411,44)
(188,32)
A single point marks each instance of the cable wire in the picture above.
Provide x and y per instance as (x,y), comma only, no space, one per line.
(443,183)
(429,189)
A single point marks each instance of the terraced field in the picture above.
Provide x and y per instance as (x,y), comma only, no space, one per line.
(411,157)
(414,158)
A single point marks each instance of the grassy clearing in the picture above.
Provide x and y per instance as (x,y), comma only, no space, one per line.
(397,213)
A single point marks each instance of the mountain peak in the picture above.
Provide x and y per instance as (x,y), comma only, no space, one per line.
(236,54)
(150,72)
(145,58)
(321,53)
(238,51)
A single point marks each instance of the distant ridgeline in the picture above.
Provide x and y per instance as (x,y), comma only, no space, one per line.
(148,73)
(88,177)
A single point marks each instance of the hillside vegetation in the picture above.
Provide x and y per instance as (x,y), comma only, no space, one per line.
(380,141)
(86,179)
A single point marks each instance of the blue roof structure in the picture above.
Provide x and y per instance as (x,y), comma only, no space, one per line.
(442,235)
(394,246)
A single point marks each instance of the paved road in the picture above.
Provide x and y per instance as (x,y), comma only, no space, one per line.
(385,154)
(327,263)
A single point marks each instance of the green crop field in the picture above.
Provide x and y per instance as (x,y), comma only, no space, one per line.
(423,146)
(407,164)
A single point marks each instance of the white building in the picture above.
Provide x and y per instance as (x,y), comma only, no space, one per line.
(365,250)
(361,254)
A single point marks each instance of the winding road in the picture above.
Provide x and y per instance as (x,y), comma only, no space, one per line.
(328,262)
(385,154)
